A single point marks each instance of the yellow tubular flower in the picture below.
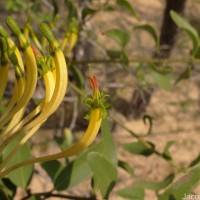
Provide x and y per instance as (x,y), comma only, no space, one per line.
(64,41)
(17,56)
(53,69)
(49,84)
(31,71)
(4,78)
(17,117)
(3,68)
(61,79)
(96,114)
(38,109)
(71,37)
(20,85)
(26,29)
(34,37)
(12,101)
(71,42)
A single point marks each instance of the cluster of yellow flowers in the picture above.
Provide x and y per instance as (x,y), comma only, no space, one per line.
(29,63)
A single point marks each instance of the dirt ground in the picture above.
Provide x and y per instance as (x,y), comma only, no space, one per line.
(176,112)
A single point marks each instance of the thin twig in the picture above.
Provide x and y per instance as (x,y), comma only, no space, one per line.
(50,194)
(146,144)
(142,60)
(75,88)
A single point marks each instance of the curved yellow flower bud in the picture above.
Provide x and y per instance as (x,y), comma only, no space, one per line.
(31,70)
(3,67)
(71,37)
(97,111)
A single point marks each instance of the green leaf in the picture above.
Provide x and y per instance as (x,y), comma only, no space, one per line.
(139,148)
(155,186)
(114,54)
(7,189)
(16,5)
(87,11)
(104,173)
(195,161)
(125,60)
(126,167)
(185,75)
(4,196)
(162,78)
(183,186)
(77,170)
(193,34)
(119,55)
(10,186)
(150,120)
(21,176)
(66,141)
(166,153)
(108,8)
(55,8)
(127,6)
(122,37)
(151,30)
(109,146)
(36,197)
(132,193)
(52,168)
(78,76)
(71,9)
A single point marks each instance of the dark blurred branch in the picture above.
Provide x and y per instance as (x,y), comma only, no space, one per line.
(141,60)
(142,97)
(169,28)
(46,195)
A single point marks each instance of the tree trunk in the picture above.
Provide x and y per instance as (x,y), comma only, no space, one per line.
(141,98)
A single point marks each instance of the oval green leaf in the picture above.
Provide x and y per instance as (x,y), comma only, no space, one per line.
(139,148)
(193,34)
(52,168)
(76,171)
(132,193)
(153,185)
(122,37)
(21,176)
(183,186)
(109,146)
(127,6)
(104,173)
(151,30)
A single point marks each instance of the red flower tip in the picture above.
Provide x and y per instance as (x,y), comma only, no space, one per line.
(35,51)
(93,82)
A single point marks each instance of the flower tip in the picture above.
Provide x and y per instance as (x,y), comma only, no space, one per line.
(93,82)
(35,51)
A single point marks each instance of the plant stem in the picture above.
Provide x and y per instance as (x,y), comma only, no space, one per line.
(50,194)
(146,144)
(75,88)
(142,60)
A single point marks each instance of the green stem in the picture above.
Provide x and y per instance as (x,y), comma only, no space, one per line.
(75,88)
(141,60)
(146,144)
(123,126)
